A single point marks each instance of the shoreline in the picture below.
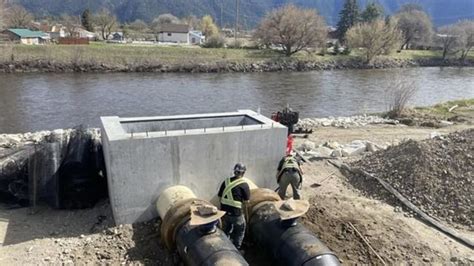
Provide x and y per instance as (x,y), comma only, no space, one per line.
(278,65)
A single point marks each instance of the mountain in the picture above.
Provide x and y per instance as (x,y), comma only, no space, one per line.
(251,11)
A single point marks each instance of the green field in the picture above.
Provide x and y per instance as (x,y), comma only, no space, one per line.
(138,55)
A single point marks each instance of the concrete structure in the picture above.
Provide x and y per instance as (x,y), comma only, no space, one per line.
(175,33)
(144,156)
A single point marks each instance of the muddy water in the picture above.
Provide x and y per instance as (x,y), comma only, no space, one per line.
(47,101)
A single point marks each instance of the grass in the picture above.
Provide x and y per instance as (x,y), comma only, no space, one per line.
(120,54)
(442,109)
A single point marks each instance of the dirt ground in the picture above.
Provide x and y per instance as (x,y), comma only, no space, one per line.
(46,236)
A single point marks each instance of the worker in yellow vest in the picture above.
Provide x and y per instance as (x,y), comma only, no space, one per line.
(233,193)
(289,173)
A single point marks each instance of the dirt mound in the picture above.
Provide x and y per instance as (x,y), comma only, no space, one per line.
(436,175)
(331,223)
(124,244)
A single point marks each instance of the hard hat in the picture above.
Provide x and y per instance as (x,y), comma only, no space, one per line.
(239,168)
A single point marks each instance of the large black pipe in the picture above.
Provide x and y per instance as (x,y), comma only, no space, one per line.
(198,248)
(289,245)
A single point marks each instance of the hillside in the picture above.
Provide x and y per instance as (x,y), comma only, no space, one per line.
(442,12)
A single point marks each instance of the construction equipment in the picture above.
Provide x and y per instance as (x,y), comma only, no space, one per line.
(289,118)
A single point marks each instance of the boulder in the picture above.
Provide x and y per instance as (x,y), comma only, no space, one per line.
(323,151)
(353,150)
(371,147)
(307,146)
(332,145)
(336,153)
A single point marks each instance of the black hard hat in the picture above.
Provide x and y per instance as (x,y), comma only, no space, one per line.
(239,168)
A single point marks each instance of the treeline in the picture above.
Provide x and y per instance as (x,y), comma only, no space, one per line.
(291,29)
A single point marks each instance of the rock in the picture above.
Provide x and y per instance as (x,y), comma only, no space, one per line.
(307,146)
(444,123)
(323,152)
(336,153)
(332,145)
(371,147)
(353,150)
(435,134)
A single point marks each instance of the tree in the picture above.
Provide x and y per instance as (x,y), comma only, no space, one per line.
(160,20)
(18,17)
(372,12)
(410,7)
(465,31)
(192,21)
(86,20)
(2,13)
(106,22)
(167,19)
(348,17)
(71,23)
(208,27)
(416,27)
(138,26)
(448,39)
(292,28)
(377,38)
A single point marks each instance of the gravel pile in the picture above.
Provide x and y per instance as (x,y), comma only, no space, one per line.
(344,122)
(437,175)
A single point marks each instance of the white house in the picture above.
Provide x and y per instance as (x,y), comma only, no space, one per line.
(175,33)
(196,37)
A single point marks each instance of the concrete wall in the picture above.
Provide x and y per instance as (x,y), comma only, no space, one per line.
(142,164)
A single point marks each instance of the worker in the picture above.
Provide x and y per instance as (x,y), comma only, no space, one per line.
(234,193)
(289,173)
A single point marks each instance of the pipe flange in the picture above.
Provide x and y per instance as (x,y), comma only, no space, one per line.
(177,216)
(260,195)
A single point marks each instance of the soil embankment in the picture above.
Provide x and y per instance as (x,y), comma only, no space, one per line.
(224,66)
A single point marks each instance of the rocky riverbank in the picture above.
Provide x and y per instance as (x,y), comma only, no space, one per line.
(225,66)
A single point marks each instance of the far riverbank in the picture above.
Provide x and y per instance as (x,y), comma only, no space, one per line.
(100,58)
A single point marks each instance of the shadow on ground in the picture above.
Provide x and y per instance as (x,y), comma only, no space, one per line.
(23,224)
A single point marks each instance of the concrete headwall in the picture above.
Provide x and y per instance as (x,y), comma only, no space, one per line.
(140,165)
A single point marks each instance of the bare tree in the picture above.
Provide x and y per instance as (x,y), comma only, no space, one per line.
(72,24)
(193,22)
(2,13)
(106,22)
(399,93)
(416,27)
(449,40)
(292,28)
(377,38)
(138,26)
(18,17)
(167,19)
(465,31)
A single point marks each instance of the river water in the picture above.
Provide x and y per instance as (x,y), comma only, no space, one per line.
(30,102)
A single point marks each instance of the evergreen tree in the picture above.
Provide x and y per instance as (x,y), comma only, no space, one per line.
(86,20)
(372,12)
(348,17)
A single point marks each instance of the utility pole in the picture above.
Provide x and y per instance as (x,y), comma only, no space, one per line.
(222,11)
(236,19)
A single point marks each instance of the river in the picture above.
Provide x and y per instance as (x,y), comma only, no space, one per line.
(37,101)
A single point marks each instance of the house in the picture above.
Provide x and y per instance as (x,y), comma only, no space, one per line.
(174,33)
(84,34)
(57,31)
(196,37)
(117,36)
(26,36)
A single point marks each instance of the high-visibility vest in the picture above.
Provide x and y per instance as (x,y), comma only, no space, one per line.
(227,197)
(290,163)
